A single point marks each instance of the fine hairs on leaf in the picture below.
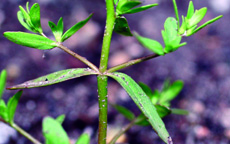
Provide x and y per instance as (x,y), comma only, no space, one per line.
(153,104)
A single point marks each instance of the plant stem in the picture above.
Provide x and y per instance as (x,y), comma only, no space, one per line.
(125,129)
(102,79)
(107,35)
(77,56)
(176,13)
(132,62)
(103,102)
(25,134)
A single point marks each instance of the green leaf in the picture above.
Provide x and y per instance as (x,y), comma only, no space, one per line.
(150,44)
(115,1)
(57,30)
(197,17)
(27,19)
(190,10)
(171,92)
(30,40)
(179,111)
(83,139)
(182,29)
(74,29)
(3,111)
(54,78)
(205,24)
(124,111)
(155,97)
(3,77)
(27,7)
(140,9)
(60,118)
(54,132)
(146,89)
(22,21)
(125,5)
(122,27)
(163,111)
(35,17)
(12,105)
(143,102)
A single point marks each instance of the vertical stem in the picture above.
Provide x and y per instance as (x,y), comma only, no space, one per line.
(102,100)
(176,13)
(102,79)
(107,35)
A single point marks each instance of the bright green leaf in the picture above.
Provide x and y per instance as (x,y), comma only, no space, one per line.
(3,77)
(143,102)
(74,29)
(125,5)
(162,111)
(150,44)
(171,92)
(54,132)
(60,118)
(115,1)
(30,40)
(83,139)
(122,26)
(125,112)
(26,18)
(54,78)
(190,10)
(197,17)
(179,111)
(156,95)
(205,24)
(60,28)
(35,17)
(22,21)
(12,105)
(3,111)
(140,9)
(182,29)
(27,7)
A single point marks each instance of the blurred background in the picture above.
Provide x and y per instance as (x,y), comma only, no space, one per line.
(203,64)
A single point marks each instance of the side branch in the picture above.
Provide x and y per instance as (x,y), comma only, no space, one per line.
(132,62)
(77,56)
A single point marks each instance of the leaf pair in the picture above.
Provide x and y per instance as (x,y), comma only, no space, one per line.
(189,23)
(58,29)
(30,18)
(55,134)
(127,7)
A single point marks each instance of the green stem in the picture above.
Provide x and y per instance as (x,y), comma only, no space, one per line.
(176,13)
(25,134)
(103,102)
(132,62)
(102,79)
(107,35)
(77,56)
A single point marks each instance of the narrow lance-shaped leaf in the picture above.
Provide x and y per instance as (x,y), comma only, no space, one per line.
(179,111)
(3,76)
(205,24)
(22,21)
(27,7)
(190,10)
(57,29)
(125,112)
(35,17)
(163,111)
(122,26)
(83,139)
(30,40)
(54,78)
(144,103)
(150,44)
(124,5)
(74,29)
(197,17)
(12,105)
(60,118)
(54,132)
(146,89)
(140,9)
